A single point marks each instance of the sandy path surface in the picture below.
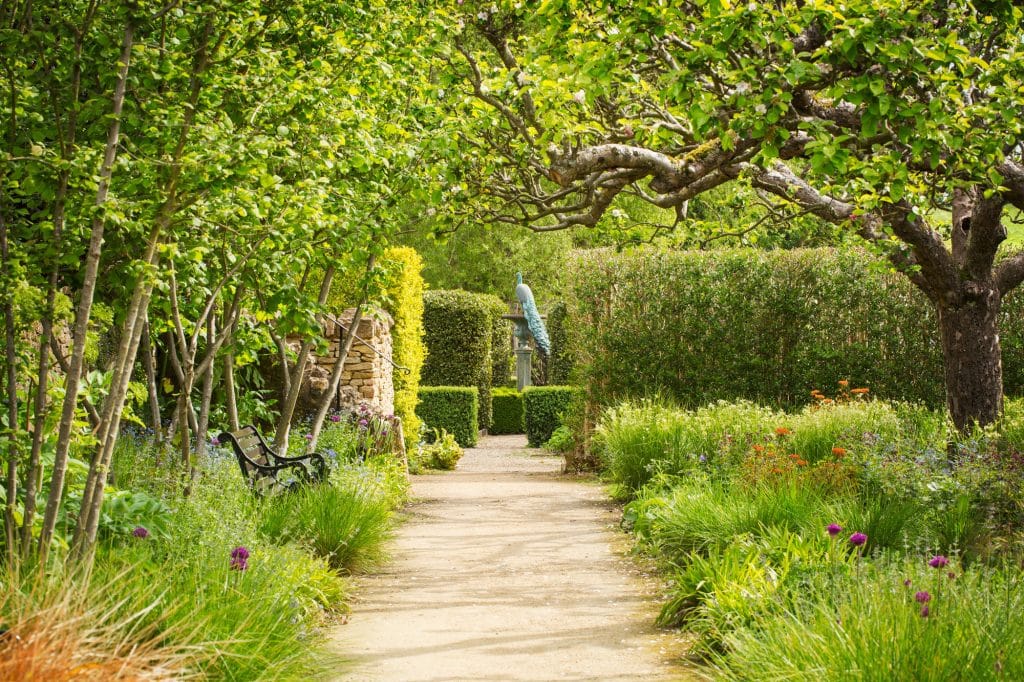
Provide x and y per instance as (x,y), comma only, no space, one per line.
(507,571)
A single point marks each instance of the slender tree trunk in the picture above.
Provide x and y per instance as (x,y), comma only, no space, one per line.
(84,310)
(339,366)
(973,360)
(149,364)
(229,388)
(284,423)
(206,390)
(11,362)
(336,372)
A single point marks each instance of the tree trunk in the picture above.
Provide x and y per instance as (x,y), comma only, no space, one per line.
(84,310)
(229,390)
(284,422)
(11,364)
(973,362)
(149,363)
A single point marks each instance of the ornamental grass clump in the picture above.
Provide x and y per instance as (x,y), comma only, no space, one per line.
(346,526)
(868,624)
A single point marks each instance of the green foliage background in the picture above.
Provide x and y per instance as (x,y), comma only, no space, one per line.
(768,326)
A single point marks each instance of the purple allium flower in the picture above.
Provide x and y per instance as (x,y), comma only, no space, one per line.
(858,539)
(925,611)
(922,597)
(835,529)
(140,532)
(215,441)
(907,583)
(335,418)
(239,559)
(363,423)
(309,436)
(938,561)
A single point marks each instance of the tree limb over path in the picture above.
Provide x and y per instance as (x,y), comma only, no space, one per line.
(873,117)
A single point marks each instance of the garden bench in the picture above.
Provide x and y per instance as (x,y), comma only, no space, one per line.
(263,468)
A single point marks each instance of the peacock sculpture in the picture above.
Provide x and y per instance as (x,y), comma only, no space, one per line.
(533,319)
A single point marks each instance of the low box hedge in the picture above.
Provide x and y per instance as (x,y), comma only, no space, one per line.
(543,409)
(452,408)
(506,411)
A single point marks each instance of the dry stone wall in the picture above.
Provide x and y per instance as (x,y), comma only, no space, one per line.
(368,373)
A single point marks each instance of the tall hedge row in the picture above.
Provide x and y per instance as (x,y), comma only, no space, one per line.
(769,326)
(458,334)
(501,341)
(405,294)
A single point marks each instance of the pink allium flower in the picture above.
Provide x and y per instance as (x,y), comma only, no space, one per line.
(858,539)
(834,529)
(938,561)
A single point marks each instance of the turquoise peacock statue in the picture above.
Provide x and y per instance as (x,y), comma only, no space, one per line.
(533,319)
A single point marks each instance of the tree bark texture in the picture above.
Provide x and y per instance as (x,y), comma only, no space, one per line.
(973,360)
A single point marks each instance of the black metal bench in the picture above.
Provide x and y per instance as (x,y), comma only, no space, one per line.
(264,469)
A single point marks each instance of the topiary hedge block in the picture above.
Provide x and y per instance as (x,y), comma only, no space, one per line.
(507,411)
(543,408)
(458,333)
(452,408)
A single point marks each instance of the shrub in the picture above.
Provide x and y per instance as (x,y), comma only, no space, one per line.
(451,408)
(507,406)
(458,336)
(767,326)
(405,291)
(561,441)
(543,409)
(442,454)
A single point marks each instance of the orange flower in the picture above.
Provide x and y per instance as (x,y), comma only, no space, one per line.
(758,448)
(828,401)
(782,431)
(859,391)
(794,456)
(844,382)
(801,462)
(839,452)
(776,470)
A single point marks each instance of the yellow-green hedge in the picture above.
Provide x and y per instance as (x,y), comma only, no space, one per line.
(405,295)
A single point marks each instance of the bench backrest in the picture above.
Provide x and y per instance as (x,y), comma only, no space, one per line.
(249,447)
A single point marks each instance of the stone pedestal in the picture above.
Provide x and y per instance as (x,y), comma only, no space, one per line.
(524,365)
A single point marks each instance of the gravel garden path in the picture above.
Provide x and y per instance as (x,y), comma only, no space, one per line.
(507,570)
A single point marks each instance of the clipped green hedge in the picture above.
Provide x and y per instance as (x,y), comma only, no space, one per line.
(768,326)
(560,362)
(507,407)
(458,334)
(501,342)
(543,408)
(452,408)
